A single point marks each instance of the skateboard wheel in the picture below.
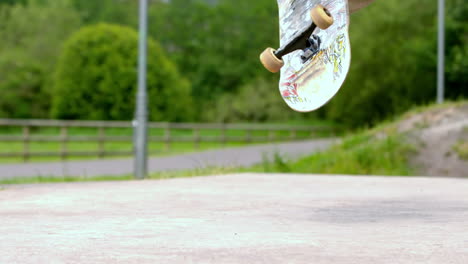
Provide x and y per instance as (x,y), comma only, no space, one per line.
(270,61)
(321,17)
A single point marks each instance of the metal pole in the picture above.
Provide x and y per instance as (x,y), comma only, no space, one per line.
(141,115)
(441,52)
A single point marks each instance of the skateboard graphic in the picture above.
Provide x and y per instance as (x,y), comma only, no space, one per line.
(314,54)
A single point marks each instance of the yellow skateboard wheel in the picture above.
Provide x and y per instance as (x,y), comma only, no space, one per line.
(270,61)
(321,17)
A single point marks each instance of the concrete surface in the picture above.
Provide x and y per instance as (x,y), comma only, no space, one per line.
(241,156)
(243,218)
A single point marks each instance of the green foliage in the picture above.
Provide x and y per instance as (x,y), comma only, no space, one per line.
(23,92)
(32,37)
(457,52)
(153,176)
(257,101)
(362,154)
(96,78)
(461,148)
(394,56)
(395,60)
(12,2)
(123,12)
(57,179)
(278,164)
(36,31)
(216,46)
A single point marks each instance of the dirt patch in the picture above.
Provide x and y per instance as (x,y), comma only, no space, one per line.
(436,133)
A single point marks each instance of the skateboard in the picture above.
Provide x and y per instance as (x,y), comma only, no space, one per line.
(314,54)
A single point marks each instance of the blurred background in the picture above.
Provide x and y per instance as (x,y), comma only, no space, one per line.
(76,60)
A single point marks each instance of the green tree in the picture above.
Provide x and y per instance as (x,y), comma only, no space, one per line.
(217,45)
(457,49)
(394,62)
(122,12)
(12,2)
(32,37)
(23,94)
(256,101)
(96,78)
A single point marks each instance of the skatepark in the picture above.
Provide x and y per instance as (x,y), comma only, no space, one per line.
(149,132)
(241,218)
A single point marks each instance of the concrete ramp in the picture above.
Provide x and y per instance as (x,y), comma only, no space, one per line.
(246,218)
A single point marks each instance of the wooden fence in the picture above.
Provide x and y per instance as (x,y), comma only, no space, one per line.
(27,132)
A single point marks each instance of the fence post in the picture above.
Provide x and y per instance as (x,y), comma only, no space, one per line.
(26,139)
(223,135)
(293,134)
(313,134)
(102,150)
(274,134)
(167,137)
(334,132)
(271,135)
(248,135)
(64,140)
(196,137)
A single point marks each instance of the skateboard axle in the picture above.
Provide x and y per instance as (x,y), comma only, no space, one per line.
(300,42)
(312,48)
(305,41)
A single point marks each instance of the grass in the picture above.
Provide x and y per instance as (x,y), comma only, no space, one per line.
(418,110)
(359,154)
(50,179)
(461,148)
(430,107)
(380,151)
(128,177)
(155,148)
(364,153)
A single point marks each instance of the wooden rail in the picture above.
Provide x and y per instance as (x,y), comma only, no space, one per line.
(27,132)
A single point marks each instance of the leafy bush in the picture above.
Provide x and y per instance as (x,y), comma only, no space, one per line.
(12,2)
(457,49)
(31,39)
(122,12)
(220,44)
(96,78)
(258,101)
(394,64)
(23,94)
(362,154)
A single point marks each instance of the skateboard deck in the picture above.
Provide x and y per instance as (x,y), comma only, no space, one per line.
(306,85)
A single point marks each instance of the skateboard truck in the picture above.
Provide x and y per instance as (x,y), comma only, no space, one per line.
(300,42)
(312,48)
(273,59)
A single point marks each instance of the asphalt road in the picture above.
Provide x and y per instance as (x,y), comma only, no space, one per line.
(247,218)
(242,156)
